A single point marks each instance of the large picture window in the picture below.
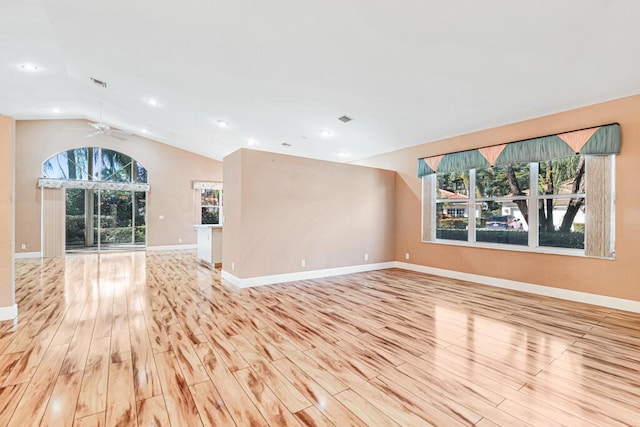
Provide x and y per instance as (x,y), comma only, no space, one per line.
(537,206)
(552,193)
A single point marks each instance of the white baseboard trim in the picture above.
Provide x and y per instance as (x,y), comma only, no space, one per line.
(584,297)
(302,275)
(9,313)
(172,247)
(19,255)
(549,291)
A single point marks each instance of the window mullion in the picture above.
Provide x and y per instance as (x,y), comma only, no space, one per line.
(471,209)
(533,201)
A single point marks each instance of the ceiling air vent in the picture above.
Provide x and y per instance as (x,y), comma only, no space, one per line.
(345,119)
(99,82)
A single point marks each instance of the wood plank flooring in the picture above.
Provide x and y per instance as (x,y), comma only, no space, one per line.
(156,339)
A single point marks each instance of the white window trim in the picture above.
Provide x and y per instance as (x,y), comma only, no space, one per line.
(534,243)
(471,222)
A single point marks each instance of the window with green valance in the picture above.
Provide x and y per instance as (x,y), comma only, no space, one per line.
(600,140)
(552,194)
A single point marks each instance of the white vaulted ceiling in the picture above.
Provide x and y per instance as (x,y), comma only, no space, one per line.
(282,71)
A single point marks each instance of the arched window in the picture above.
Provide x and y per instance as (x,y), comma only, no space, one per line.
(93,167)
(105,199)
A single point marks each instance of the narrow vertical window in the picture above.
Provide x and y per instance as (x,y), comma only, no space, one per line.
(502,211)
(561,203)
(211,203)
(452,206)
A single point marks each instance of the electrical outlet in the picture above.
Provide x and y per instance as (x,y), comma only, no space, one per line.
(180,240)
(233,266)
(407,256)
(366,257)
(161,217)
(23,246)
(303,263)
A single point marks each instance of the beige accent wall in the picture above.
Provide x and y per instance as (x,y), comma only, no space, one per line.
(170,169)
(7,146)
(282,209)
(232,231)
(616,278)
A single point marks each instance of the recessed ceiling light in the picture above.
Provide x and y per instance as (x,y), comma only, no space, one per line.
(153,102)
(30,68)
(342,153)
(56,110)
(222,124)
(252,142)
(325,133)
(145,131)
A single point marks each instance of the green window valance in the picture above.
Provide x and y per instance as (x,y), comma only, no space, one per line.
(601,140)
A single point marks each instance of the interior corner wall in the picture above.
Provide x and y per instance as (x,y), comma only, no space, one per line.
(7,269)
(171,172)
(280,210)
(618,278)
(232,235)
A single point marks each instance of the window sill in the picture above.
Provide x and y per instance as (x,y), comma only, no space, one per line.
(517,248)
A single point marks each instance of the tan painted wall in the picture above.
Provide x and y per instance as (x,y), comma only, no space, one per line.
(281,209)
(232,235)
(170,169)
(7,146)
(617,278)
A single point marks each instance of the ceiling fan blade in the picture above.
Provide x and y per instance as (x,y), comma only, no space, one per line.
(120,132)
(75,129)
(96,126)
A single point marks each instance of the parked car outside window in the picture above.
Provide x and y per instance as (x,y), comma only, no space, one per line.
(503,222)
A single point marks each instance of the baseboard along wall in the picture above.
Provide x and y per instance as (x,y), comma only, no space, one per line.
(550,291)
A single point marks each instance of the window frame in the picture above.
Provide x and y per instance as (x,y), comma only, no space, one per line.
(533,224)
(203,206)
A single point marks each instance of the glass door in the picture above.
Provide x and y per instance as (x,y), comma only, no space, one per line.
(140,218)
(77,220)
(122,219)
(105,220)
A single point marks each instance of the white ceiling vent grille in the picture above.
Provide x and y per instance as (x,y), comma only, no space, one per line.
(99,82)
(345,119)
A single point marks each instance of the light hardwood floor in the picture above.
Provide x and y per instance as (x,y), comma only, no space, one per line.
(157,339)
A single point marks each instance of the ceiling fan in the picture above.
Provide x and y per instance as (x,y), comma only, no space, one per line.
(101,128)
